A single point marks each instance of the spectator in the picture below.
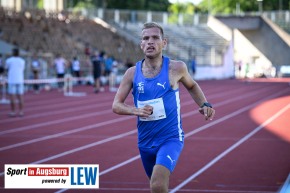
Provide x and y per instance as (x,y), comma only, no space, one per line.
(108,60)
(15,66)
(76,69)
(193,67)
(113,76)
(129,63)
(60,65)
(2,80)
(97,62)
(2,68)
(35,66)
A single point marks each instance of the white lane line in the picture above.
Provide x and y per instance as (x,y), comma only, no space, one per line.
(130,117)
(227,151)
(39,104)
(111,169)
(83,148)
(120,165)
(196,130)
(224,102)
(132,159)
(65,133)
(33,126)
(29,127)
(97,143)
(55,112)
(183,190)
(95,125)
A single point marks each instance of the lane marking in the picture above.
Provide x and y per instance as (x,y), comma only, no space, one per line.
(132,159)
(117,120)
(54,112)
(90,126)
(197,130)
(184,190)
(86,147)
(65,133)
(50,103)
(230,149)
(92,114)
(29,127)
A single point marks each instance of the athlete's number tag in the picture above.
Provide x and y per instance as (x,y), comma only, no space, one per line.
(158,109)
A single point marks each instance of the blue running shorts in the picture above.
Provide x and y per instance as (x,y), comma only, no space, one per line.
(166,155)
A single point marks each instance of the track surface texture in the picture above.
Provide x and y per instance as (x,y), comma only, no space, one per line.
(245,149)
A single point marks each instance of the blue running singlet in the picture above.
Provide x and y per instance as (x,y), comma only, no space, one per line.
(165,122)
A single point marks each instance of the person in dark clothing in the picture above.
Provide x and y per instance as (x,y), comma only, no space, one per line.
(97,62)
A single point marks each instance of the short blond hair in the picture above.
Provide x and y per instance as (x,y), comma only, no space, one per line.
(153,24)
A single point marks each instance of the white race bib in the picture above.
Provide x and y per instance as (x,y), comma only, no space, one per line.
(158,109)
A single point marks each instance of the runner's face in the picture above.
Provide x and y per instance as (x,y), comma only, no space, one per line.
(152,42)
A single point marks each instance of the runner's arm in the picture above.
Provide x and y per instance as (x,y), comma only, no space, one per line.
(196,92)
(119,106)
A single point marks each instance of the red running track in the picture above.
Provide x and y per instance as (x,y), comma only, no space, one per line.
(245,149)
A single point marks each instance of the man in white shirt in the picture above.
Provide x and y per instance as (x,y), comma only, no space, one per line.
(15,66)
(60,66)
(76,68)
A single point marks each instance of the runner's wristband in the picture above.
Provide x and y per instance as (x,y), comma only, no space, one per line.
(206,105)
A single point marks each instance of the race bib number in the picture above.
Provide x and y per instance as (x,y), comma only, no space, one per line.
(158,109)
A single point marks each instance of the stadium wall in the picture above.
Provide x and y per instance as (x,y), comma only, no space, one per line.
(258,43)
(6,49)
(225,71)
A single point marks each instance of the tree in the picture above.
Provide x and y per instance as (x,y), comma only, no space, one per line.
(212,6)
(153,5)
(229,6)
(178,8)
(125,4)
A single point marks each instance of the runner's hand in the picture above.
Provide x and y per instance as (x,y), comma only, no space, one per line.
(208,112)
(145,111)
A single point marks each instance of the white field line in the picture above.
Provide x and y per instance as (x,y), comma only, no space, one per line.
(83,148)
(55,112)
(204,127)
(50,102)
(92,126)
(38,104)
(196,131)
(33,126)
(29,127)
(104,123)
(230,149)
(82,107)
(127,190)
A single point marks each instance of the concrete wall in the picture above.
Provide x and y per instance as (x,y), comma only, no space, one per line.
(269,43)
(259,41)
(6,49)
(241,22)
(225,71)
